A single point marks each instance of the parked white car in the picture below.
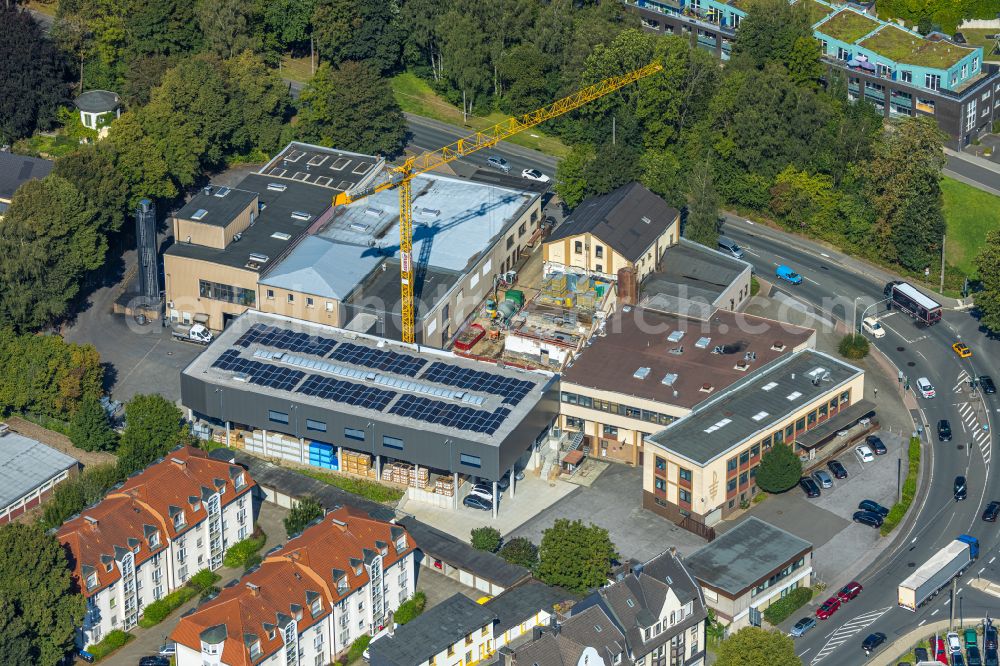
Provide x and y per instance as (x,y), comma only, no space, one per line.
(926,388)
(872,326)
(864,453)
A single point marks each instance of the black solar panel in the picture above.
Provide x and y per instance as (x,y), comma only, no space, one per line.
(512,390)
(449,415)
(388,361)
(346,392)
(262,374)
(282,338)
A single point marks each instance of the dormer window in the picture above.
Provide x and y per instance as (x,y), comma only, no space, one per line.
(154,540)
(342,585)
(617,658)
(240,481)
(179,521)
(270,634)
(357,570)
(107,567)
(385,551)
(401,544)
(255,649)
(317,607)
(136,549)
(91,581)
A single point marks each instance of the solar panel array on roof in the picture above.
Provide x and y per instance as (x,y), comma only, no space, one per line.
(452,416)
(348,392)
(389,361)
(282,338)
(264,374)
(512,390)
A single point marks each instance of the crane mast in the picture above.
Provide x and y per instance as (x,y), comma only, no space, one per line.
(401,175)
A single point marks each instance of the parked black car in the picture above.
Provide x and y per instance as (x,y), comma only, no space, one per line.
(944,430)
(873,506)
(920,654)
(991,512)
(872,642)
(477,502)
(972,656)
(991,658)
(961,488)
(990,638)
(868,518)
(875,442)
(838,469)
(986,383)
(154,660)
(810,487)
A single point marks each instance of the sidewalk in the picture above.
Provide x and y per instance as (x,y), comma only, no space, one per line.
(889,655)
(978,162)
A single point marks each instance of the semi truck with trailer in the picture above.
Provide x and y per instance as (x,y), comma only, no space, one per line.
(937,572)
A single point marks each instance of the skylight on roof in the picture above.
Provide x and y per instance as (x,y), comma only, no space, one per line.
(199,214)
(223,191)
(277,187)
(281,235)
(703,343)
(675,336)
(794,395)
(759,416)
(669,379)
(768,386)
(299,215)
(721,424)
(641,373)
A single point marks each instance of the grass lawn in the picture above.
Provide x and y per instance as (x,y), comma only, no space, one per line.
(849,26)
(977,37)
(418,98)
(47,8)
(296,69)
(902,46)
(970,214)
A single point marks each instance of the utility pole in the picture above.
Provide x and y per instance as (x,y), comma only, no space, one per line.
(951,606)
(943,239)
(613,129)
(312,56)
(899,475)
(465,116)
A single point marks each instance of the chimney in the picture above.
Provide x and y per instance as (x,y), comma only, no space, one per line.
(673,551)
(778,345)
(254,590)
(536,632)
(706,388)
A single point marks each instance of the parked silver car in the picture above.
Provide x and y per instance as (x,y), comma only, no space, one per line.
(823,478)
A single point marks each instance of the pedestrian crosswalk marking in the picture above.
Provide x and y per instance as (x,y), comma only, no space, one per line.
(845,631)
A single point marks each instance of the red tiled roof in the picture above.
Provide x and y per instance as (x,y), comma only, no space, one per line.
(143,503)
(307,562)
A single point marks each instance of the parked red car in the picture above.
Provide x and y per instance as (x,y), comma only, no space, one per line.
(940,652)
(828,608)
(850,591)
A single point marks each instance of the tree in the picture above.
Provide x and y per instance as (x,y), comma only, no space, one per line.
(575,556)
(72,495)
(358,30)
(903,186)
(224,25)
(615,165)
(304,512)
(36,587)
(353,108)
(260,100)
(45,375)
(520,551)
(93,170)
(988,300)
(571,180)
(753,646)
(771,33)
(661,174)
(153,426)
(702,224)
(486,538)
(89,428)
(780,469)
(49,239)
(854,346)
(32,76)
(802,200)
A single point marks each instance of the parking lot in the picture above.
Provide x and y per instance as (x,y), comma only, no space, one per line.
(840,546)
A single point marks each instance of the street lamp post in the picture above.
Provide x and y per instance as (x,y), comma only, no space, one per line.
(864,312)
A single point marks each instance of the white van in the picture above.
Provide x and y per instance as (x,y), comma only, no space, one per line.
(872,326)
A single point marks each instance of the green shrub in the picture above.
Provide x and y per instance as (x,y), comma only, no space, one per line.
(113,641)
(909,490)
(781,609)
(854,346)
(411,608)
(358,648)
(244,553)
(372,490)
(204,580)
(754,286)
(158,611)
(486,538)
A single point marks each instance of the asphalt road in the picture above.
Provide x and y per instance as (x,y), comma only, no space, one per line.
(973,174)
(834,285)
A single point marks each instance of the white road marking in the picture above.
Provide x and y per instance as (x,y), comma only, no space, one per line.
(991,559)
(936,611)
(810,280)
(921,623)
(824,254)
(843,633)
(804,651)
(979,573)
(748,251)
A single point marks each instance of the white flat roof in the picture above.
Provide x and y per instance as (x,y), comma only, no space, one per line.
(918,297)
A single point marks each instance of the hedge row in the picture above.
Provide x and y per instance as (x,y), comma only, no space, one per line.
(244,553)
(158,611)
(372,490)
(779,611)
(899,509)
(113,641)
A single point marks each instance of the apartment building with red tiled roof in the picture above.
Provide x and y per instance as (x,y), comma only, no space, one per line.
(149,535)
(307,601)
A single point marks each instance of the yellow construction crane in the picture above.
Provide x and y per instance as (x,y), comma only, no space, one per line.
(401,175)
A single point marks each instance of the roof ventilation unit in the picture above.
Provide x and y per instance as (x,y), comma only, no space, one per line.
(778,345)
(277,187)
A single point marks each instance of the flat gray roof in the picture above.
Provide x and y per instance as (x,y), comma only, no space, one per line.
(26,464)
(744,556)
(691,280)
(376,378)
(754,405)
(324,268)
(220,205)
